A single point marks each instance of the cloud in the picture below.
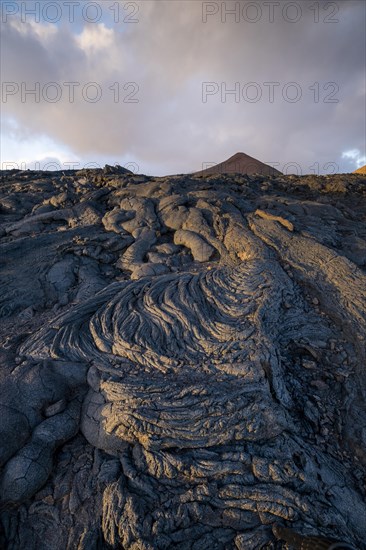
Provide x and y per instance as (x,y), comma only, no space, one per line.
(162,61)
(355,157)
(94,38)
(42,30)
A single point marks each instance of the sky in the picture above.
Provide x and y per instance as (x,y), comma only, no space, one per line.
(168,87)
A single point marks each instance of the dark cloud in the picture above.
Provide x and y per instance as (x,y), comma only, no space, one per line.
(169,53)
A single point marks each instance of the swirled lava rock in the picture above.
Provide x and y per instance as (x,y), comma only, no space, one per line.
(182,360)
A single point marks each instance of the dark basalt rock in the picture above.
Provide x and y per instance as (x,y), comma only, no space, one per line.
(182,361)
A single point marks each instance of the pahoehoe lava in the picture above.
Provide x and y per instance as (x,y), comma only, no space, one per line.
(182,360)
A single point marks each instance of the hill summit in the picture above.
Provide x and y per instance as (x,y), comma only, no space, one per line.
(361,170)
(240,163)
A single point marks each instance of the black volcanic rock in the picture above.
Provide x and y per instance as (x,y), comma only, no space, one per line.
(182,361)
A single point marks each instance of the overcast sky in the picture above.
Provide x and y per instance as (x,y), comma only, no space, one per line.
(170,86)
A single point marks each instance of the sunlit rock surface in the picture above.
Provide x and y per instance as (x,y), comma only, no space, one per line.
(182,360)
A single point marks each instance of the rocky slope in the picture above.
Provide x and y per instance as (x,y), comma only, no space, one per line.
(182,361)
(361,170)
(240,163)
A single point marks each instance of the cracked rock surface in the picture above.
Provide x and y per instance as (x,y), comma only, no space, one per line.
(182,360)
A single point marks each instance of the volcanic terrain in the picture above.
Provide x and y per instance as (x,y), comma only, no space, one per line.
(182,360)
